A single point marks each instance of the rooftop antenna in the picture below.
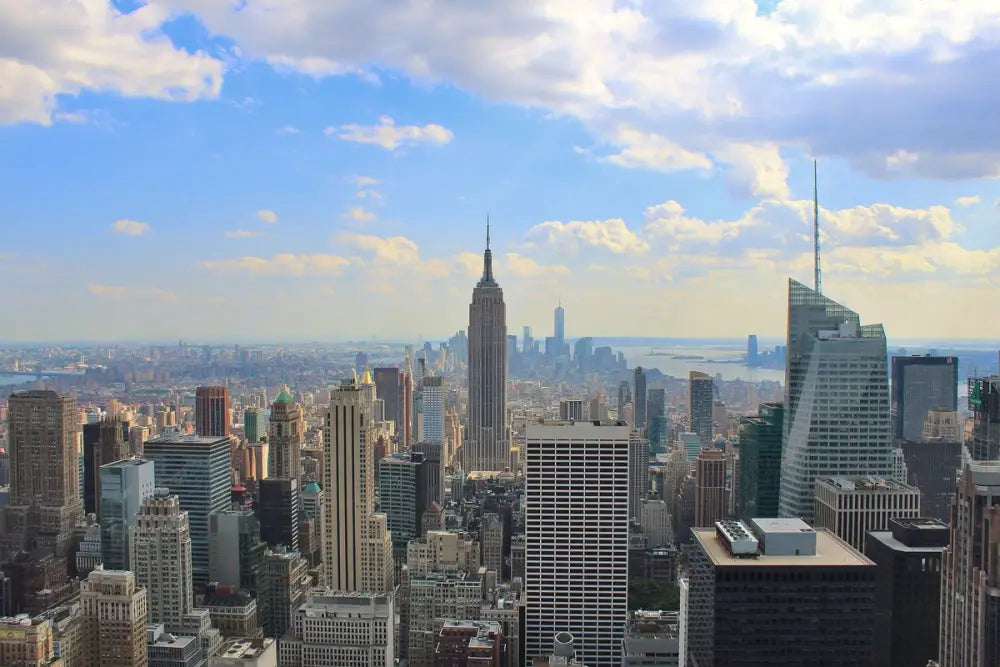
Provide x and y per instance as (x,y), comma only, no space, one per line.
(818,279)
(487,230)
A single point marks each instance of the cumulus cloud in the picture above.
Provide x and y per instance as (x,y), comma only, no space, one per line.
(267,216)
(654,151)
(129,227)
(968,201)
(131,293)
(241,234)
(390,136)
(285,264)
(359,215)
(83,45)
(612,235)
(522,266)
(395,250)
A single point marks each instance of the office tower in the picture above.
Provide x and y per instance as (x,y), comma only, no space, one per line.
(932,467)
(638,472)
(105,441)
(388,386)
(432,470)
(433,405)
(853,506)
(125,485)
(288,582)
(836,399)
(486,447)
(360,362)
(44,502)
(654,521)
(701,399)
(984,403)
(559,331)
(760,462)
(656,418)
(752,349)
(491,542)
(254,424)
(26,641)
(402,496)
(639,398)
(970,608)
(571,408)
(576,580)
(709,487)
(115,613)
(406,397)
(285,437)
(921,384)
(624,396)
(160,551)
(197,469)
(237,554)
(908,590)
(333,628)
(212,415)
(357,543)
(311,524)
(775,592)
(278,506)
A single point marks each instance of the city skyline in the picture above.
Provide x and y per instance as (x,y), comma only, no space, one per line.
(312,169)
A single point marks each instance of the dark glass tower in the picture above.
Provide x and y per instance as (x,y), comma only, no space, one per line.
(760,462)
(919,385)
(486,447)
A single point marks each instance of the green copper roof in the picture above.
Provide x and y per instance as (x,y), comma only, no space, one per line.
(312,487)
(284,397)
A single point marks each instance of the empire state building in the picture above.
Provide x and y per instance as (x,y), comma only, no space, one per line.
(486,446)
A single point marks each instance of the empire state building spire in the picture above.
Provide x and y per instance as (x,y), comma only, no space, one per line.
(487,280)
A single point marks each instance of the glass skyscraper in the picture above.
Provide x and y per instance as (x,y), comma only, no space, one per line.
(124,485)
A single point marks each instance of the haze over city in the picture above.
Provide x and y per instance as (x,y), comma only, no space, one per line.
(257,171)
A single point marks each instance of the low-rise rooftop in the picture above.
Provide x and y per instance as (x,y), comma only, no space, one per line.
(830,551)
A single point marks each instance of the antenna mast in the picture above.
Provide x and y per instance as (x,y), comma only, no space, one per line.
(818,279)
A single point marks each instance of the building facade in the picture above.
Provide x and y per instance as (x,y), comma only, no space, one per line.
(921,384)
(760,462)
(114,615)
(212,414)
(701,400)
(576,553)
(853,506)
(160,553)
(286,433)
(709,487)
(278,507)
(639,398)
(125,485)
(335,629)
(638,472)
(402,496)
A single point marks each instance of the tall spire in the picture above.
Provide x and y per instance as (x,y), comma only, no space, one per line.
(818,278)
(487,278)
(487,231)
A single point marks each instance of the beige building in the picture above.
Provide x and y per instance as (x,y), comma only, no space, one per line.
(654,520)
(247,653)
(288,582)
(491,541)
(334,629)
(160,548)
(944,426)
(285,437)
(115,615)
(26,642)
(710,501)
(357,543)
(853,506)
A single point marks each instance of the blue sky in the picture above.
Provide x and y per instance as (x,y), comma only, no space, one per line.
(269,170)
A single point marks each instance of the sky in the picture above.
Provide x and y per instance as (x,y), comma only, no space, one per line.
(279,170)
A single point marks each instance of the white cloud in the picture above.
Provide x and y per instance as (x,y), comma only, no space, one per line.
(364,181)
(390,136)
(288,129)
(968,201)
(285,264)
(241,234)
(395,250)
(87,45)
(131,293)
(612,235)
(653,151)
(521,266)
(129,227)
(267,216)
(359,215)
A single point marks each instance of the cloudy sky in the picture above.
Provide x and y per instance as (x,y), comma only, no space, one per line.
(259,170)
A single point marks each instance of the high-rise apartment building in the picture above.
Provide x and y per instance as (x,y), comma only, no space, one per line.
(402,496)
(576,569)
(970,608)
(114,615)
(285,437)
(212,414)
(160,550)
(921,384)
(908,592)
(336,629)
(487,447)
(837,418)
(357,542)
(760,462)
(433,409)
(984,403)
(775,592)
(197,469)
(709,487)
(43,504)
(254,424)
(701,400)
(639,398)
(125,485)
(638,472)
(853,506)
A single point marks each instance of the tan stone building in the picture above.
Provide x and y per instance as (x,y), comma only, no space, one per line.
(115,613)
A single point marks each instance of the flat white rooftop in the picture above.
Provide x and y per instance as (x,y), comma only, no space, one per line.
(830,550)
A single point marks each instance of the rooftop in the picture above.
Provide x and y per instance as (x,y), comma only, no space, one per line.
(183,439)
(830,551)
(866,483)
(245,648)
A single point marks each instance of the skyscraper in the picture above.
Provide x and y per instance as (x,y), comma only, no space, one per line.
(433,409)
(984,403)
(114,616)
(576,556)
(254,424)
(161,558)
(624,396)
(358,546)
(709,487)
(125,485)
(44,501)
(278,510)
(760,462)
(921,384)
(970,608)
(836,399)
(286,435)
(486,447)
(402,496)
(212,416)
(388,386)
(198,470)
(105,441)
(851,507)
(638,472)
(639,398)
(559,332)
(656,418)
(701,399)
